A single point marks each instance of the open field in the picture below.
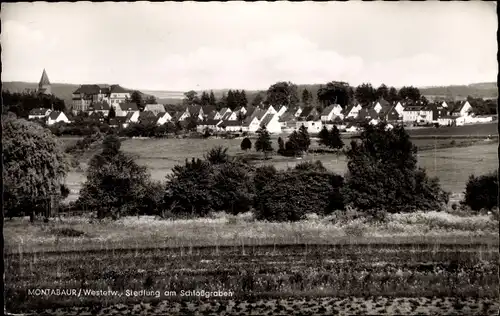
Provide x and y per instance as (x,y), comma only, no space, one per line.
(428,274)
(451,165)
(458,131)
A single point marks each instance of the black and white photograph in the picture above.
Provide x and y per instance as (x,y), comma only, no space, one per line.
(250,158)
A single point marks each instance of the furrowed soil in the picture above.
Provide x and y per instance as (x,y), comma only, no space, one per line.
(274,280)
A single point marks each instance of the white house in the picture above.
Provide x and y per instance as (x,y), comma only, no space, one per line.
(446,120)
(282,110)
(444,104)
(56,117)
(252,122)
(118,95)
(330,112)
(312,126)
(39,113)
(223,111)
(230,116)
(351,129)
(464,109)
(399,108)
(415,113)
(163,118)
(132,117)
(124,108)
(352,111)
(231,126)
(271,123)
(100,107)
(270,110)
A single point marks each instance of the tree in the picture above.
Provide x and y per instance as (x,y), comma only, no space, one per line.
(258,99)
(222,102)
(136,98)
(306,97)
(335,138)
(392,95)
(246,144)
(116,185)
(34,167)
(150,100)
(482,192)
(383,174)
(112,113)
(263,142)
(232,99)
(205,98)
(242,99)
(281,146)
(191,97)
(212,99)
(365,94)
(304,141)
(382,92)
(192,123)
(282,93)
(335,92)
(409,93)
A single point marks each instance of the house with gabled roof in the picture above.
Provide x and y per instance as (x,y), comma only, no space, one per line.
(39,113)
(288,121)
(118,94)
(389,114)
(124,108)
(147,117)
(223,111)
(380,104)
(230,116)
(330,112)
(163,118)
(100,107)
(352,111)
(155,108)
(271,123)
(56,117)
(282,110)
(132,117)
(418,114)
(399,108)
(211,124)
(307,113)
(252,122)
(240,109)
(464,109)
(231,126)
(270,109)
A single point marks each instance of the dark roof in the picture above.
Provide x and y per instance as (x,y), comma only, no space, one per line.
(308,111)
(367,113)
(230,123)
(54,115)
(194,109)
(101,106)
(39,111)
(44,80)
(154,107)
(129,116)
(96,115)
(383,102)
(348,109)
(413,108)
(327,110)
(227,115)
(287,117)
(116,88)
(211,122)
(128,107)
(266,119)
(146,115)
(208,108)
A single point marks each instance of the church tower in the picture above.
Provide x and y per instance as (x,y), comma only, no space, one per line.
(44,85)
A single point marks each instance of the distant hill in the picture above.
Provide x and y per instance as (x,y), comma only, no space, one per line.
(486,90)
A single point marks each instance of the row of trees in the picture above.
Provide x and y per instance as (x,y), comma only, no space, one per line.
(286,93)
(232,100)
(22,103)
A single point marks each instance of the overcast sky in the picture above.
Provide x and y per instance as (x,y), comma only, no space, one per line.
(182,46)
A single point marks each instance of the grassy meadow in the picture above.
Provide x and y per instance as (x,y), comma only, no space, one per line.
(451,165)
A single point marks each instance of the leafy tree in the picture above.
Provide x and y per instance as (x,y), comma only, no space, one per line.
(205,98)
(409,93)
(34,167)
(263,142)
(246,144)
(192,122)
(150,100)
(383,174)
(331,139)
(191,97)
(112,113)
(116,185)
(217,155)
(393,95)
(482,192)
(306,97)
(232,101)
(365,94)
(281,146)
(222,102)
(258,99)
(212,100)
(324,137)
(243,101)
(283,93)
(22,103)
(382,92)
(301,139)
(335,92)
(282,197)
(136,97)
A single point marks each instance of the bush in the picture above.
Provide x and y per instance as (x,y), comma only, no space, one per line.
(482,192)
(290,195)
(218,183)
(311,166)
(383,174)
(246,144)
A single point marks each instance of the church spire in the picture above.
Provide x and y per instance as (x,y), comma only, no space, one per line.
(44,85)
